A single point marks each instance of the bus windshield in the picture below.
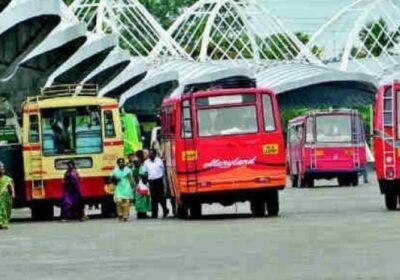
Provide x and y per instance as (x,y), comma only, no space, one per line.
(227,120)
(71,131)
(333,128)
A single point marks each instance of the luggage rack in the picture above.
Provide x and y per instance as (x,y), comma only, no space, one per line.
(66,90)
(333,110)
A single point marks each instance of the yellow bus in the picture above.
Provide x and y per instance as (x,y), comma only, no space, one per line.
(63,123)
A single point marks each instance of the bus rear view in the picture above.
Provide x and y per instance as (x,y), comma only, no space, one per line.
(224,146)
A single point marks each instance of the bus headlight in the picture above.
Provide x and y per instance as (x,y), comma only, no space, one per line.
(389,159)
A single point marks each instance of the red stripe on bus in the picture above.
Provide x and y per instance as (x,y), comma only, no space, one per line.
(33,147)
(38,172)
(110,106)
(114,143)
(28,111)
(108,167)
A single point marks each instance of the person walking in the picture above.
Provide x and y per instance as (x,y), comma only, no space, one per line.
(7,194)
(140,188)
(72,206)
(154,168)
(123,194)
(142,197)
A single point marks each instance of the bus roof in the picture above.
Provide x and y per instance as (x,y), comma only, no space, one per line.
(302,118)
(62,102)
(214,92)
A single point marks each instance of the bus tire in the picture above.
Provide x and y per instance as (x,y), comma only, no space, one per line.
(195,211)
(295,181)
(181,211)
(303,182)
(341,181)
(355,180)
(310,182)
(258,207)
(273,203)
(391,201)
(42,211)
(108,209)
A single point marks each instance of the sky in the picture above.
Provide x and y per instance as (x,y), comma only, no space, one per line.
(305,15)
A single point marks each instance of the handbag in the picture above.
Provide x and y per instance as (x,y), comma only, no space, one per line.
(142,189)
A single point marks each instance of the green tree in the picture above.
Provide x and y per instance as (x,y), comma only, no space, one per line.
(166,11)
(376,37)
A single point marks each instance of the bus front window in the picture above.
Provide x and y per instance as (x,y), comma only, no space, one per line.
(227,121)
(333,128)
(71,131)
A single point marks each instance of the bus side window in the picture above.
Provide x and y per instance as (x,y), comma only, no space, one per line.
(33,129)
(292,135)
(269,121)
(300,133)
(171,122)
(109,126)
(310,130)
(186,122)
(387,108)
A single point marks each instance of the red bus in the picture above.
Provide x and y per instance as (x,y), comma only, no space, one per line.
(224,146)
(326,145)
(387,142)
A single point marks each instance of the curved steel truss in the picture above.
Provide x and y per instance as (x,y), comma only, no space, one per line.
(136,28)
(362,37)
(237,31)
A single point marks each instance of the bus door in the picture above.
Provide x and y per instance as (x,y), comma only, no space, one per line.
(390,129)
(296,142)
(357,138)
(168,145)
(189,147)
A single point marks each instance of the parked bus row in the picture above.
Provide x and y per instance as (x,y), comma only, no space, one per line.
(226,146)
(220,146)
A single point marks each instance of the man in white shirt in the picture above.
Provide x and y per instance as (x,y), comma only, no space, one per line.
(154,167)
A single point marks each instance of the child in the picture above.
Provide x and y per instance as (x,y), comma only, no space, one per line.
(142,197)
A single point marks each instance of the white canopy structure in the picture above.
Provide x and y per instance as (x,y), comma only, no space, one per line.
(136,28)
(236,30)
(362,37)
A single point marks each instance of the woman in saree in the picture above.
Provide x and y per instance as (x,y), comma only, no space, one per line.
(140,188)
(72,206)
(142,197)
(123,195)
(7,193)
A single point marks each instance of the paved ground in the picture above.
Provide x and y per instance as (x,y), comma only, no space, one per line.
(322,233)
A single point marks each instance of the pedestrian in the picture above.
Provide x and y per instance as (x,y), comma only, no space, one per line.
(72,205)
(123,194)
(137,169)
(154,167)
(146,153)
(7,194)
(142,197)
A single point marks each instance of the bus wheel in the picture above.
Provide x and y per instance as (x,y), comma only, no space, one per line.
(295,181)
(273,202)
(181,211)
(42,211)
(258,207)
(310,182)
(303,182)
(354,180)
(341,181)
(391,201)
(108,209)
(195,211)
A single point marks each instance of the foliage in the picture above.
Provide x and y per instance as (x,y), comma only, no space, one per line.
(375,37)
(166,11)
